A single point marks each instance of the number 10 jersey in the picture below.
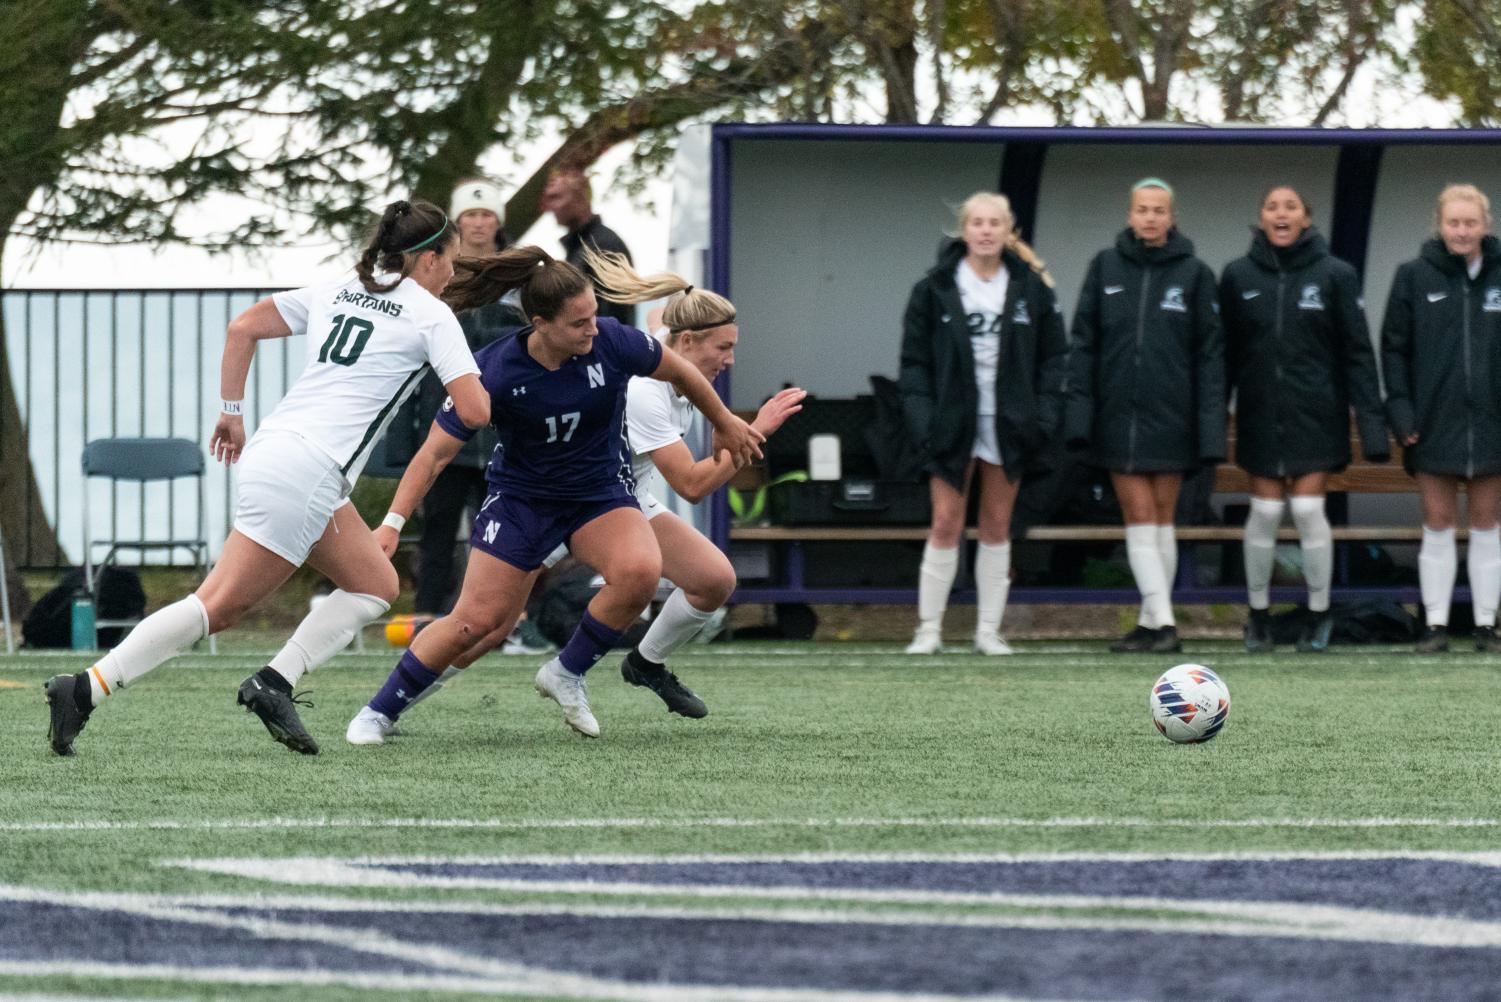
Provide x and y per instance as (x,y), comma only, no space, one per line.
(366,353)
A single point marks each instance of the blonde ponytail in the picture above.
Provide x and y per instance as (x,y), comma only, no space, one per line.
(1023,250)
(688,309)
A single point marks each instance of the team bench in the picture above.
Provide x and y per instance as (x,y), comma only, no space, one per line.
(789,550)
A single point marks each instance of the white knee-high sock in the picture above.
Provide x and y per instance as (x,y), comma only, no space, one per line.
(164,634)
(1437,563)
(674,626)
(449,674)
(935,579)
(1485,574)
(1146,566)
(1317,541)
(1260,548)
(992,585)
(326,631)
(1167,546)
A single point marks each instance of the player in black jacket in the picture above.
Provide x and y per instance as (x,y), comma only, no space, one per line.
(983,364)
(1298,355)
(1441,344)
(1146,390)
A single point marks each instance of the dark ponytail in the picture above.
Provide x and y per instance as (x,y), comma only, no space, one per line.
(406,231)
(546,283)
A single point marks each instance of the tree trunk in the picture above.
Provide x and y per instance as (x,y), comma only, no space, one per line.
(28,535)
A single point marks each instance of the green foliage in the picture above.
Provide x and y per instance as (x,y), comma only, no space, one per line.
(1457,51)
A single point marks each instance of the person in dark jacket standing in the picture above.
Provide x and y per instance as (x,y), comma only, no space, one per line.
(1147,390)
(982,370)
(569,198)
(1298,355)
(1441,344)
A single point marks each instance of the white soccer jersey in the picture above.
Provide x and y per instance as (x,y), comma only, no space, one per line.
(654,416)
(366,354)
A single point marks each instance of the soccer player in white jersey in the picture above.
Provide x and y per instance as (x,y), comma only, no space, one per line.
(370,339)
(701,329)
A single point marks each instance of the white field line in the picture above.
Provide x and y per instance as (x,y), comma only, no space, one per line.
(543,824)
(1275,920)
(235,865)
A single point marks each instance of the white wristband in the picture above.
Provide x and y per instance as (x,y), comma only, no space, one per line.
(395,521)
(236,407)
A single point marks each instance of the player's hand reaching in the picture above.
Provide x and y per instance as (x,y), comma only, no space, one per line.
(228,440)
(778,409)
(739,439)
(387,538)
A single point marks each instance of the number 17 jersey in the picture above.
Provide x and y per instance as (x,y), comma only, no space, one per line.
(366,353)
(562,431)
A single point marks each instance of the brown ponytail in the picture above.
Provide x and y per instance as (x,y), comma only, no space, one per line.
(1023,250)
(546,283)
(406,231)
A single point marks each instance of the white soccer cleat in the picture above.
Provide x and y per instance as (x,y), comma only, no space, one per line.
(562,686)
(368,727)
(992,645)
(927,641)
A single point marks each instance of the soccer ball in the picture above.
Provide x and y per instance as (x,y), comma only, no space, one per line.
(1189,704)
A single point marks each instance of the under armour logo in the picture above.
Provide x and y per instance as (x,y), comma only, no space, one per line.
(401,694)
(518,391)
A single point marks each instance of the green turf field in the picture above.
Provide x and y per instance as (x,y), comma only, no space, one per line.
(808,749)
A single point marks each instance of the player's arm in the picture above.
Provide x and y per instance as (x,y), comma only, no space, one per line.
(730,433)
(471,401)
(260,322)
(695,480)
(436,453)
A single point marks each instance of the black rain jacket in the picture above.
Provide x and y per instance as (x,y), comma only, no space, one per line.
(1298,353)
(939,397)
(1146,383)
(1441,346)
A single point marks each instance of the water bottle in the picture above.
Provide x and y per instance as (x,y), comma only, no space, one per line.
(84,636)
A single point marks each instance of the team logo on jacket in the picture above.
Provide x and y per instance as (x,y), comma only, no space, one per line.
(1172,299)
(1311,299)
(1020,315)
(1492,302)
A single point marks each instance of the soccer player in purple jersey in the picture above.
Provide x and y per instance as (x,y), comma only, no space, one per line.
(561,474)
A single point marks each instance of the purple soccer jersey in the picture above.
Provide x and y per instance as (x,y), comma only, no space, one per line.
(562,432)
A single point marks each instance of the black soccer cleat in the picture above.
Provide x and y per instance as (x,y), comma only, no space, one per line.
(269,696)
(1435,640)
(1166,641)
(1138,641)
(636,670)
(1317,631)
(69,709)
(1258,632)
(1487,640)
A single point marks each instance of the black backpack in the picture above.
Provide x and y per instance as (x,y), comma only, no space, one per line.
(117,595)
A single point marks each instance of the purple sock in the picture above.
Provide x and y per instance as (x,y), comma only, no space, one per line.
(408,679)
(588,644)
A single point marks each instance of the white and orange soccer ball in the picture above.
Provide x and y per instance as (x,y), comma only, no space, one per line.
(1189,704)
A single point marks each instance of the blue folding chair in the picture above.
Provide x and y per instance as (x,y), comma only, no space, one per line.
(144,460)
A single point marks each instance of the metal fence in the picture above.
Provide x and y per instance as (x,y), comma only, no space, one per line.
(88,364)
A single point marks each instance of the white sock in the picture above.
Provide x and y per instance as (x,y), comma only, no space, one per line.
(935,579)
(1167,546)
(164,634)
(992,585)
(1485,574)
(1260,548)
(1437,562)
(1317,541)
(674,626)
(449,674)
(1146,566)
(325,631)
